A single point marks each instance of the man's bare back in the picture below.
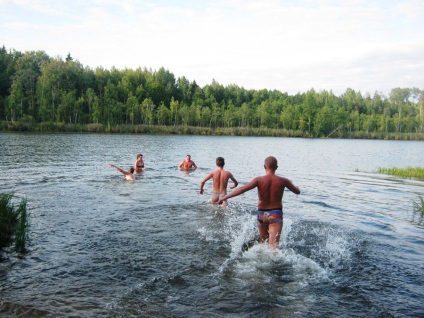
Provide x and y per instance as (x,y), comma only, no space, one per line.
(220,179)
(270,196)
(271,191)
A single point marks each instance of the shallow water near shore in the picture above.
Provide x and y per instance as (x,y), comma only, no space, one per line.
(352,245)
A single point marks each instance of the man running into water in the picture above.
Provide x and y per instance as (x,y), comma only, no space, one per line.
(270,206)
(129,175)
(187,164)
(220,181)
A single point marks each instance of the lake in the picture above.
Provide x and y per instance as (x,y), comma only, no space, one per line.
(352,244)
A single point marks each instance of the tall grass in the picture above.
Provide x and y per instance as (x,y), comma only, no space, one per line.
(419,206)
(13,223)
(409,172)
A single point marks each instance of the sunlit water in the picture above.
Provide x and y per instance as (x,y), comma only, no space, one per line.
(352,244)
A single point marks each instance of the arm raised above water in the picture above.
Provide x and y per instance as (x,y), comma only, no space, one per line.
(251,185)
(119,169)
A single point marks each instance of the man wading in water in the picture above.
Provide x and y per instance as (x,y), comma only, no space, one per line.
(220,181)
(270,206)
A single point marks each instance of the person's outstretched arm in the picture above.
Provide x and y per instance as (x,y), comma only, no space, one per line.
(292,187)
(119,169)
(251,185)
(210,175)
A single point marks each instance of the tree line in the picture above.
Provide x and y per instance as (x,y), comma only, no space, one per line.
(37,88)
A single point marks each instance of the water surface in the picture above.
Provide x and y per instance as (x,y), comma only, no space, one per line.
(352,244)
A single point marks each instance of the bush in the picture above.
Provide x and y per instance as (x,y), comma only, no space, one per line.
(13,223)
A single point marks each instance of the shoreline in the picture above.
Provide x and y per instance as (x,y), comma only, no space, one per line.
(46,127)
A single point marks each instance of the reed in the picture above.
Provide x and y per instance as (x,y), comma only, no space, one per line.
(13,223)
(419,206)
(7,220)
(21,232)
(409,172)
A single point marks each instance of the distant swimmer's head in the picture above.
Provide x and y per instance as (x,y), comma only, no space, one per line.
(188,157)
(139,155)
(131,170)
(220,162)
(271,163)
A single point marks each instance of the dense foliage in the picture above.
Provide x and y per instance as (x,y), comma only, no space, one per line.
(13,223)
(37,88)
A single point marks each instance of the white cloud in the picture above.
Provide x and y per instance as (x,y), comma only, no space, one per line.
(287,45)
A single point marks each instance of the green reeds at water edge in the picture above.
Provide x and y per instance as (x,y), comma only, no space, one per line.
(419,206)
(13,223)
(409,172)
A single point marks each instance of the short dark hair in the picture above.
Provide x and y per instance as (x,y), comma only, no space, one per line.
(132,170)
(271,162)
(220,162)
(139,155)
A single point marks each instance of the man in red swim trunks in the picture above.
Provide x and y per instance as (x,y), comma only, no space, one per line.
(270,196)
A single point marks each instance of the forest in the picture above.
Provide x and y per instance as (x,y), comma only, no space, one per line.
(37,90)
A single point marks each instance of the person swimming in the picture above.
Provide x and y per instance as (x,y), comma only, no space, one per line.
(129,175)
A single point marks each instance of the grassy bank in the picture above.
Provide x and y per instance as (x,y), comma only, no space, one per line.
(13,223)
(48,127)
(409,172)
(147,129)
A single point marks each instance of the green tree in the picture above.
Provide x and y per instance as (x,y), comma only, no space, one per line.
(66,106)
(148,108)
(95,115)
(132,107)
(174,107)
(162,114)
(400,97)
(323,122)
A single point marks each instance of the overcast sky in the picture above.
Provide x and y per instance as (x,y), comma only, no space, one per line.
(291,46)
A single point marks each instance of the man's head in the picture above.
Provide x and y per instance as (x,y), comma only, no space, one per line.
(188,158)
(271,163)
(220,162)
(131,170)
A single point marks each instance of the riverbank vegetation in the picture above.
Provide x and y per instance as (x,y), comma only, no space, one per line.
(43,93)
(409,172)
(13,223)
(419,206)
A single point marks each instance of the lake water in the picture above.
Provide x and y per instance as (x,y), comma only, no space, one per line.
(352,245)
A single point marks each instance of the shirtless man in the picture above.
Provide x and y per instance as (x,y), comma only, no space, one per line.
(270,206)
(129,175)
(220,181)
(139,164)
(187,164)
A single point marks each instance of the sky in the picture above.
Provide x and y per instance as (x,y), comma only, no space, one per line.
(291,46)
